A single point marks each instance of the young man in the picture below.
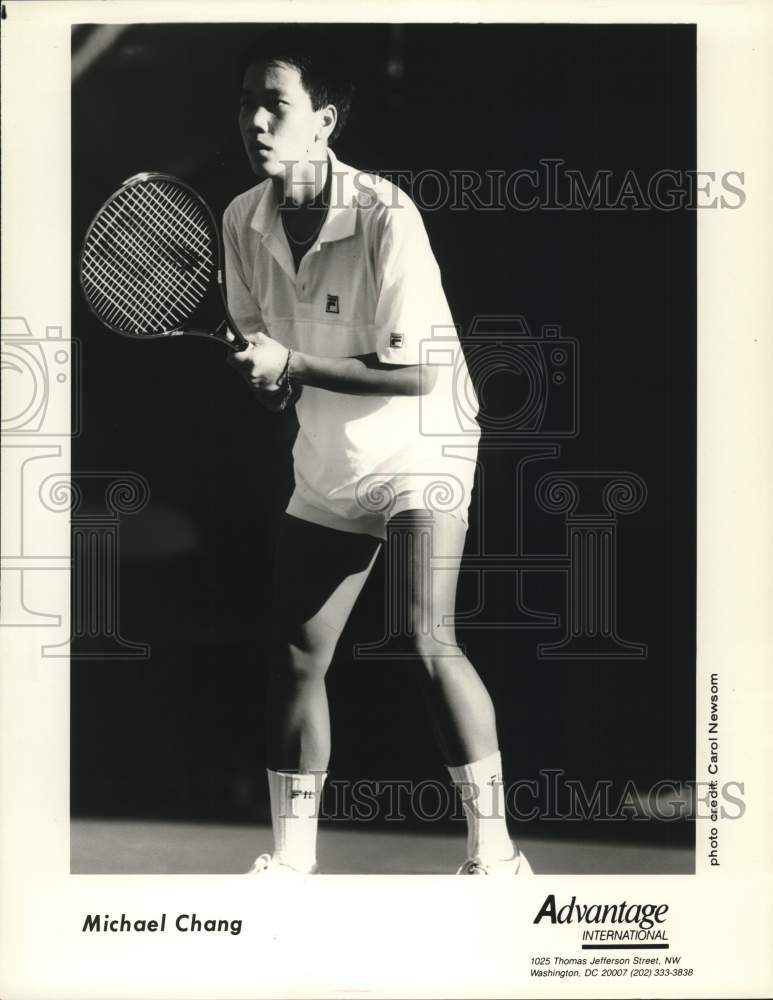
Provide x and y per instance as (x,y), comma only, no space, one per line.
(331,277)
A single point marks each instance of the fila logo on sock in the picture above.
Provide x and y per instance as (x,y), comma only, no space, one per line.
(332,304)
(396,340)
(304,793)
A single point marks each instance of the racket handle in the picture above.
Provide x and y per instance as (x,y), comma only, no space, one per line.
(235,340)
(234,337)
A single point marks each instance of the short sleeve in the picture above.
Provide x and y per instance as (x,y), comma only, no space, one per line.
(241,303)
(411,300)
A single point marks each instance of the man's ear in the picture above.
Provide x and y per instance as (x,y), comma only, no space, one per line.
(328,119)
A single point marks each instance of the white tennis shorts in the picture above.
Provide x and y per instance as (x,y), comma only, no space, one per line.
(367,506)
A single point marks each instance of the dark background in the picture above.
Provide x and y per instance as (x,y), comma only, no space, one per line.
(181,734)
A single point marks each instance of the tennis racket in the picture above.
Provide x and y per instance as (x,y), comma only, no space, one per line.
(149,260)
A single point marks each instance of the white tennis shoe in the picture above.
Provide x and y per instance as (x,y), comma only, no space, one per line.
(517,865)
(267,864)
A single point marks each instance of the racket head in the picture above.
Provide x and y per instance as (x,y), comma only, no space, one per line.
(149,257)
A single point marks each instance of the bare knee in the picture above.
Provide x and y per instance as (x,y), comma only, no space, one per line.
(437,659)
(297,666)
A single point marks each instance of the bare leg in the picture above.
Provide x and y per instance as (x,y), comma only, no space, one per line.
(320,573)
(460,706)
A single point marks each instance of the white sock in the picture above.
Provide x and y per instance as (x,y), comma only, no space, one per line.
(481,788)
(295,800)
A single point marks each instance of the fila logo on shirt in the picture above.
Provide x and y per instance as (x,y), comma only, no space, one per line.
(332,304)
(396,340)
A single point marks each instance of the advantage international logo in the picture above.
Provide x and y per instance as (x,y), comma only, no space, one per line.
(641,922)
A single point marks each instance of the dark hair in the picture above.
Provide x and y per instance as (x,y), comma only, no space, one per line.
(315,56)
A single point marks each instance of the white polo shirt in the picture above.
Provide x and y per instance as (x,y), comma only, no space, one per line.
(368,285)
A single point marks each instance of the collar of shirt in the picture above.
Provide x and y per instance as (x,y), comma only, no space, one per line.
(341,218)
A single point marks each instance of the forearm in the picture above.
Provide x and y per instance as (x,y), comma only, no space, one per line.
(361,376)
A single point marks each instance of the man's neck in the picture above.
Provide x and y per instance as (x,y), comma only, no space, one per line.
(302,183)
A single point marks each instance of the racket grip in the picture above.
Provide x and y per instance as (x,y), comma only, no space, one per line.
(238,343)
(236,339)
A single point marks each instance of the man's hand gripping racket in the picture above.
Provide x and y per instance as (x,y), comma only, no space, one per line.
(149,260)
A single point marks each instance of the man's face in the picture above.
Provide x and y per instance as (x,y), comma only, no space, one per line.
(278,124)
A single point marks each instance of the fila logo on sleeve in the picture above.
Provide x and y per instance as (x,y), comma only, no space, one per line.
(332,304)
(396,340)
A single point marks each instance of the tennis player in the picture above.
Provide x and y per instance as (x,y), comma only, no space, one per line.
(331,277)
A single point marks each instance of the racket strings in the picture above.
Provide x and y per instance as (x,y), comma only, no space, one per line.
(148,259)
(105,285)
(143,253)
(113,264)
(146,240)
(182,266)
(108,273)
(130,290)
(118,258)
(179,257)
(194,224)
(150,245)
(110,302)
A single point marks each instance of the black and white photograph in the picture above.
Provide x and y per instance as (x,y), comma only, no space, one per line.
(371,499)
(409,585)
